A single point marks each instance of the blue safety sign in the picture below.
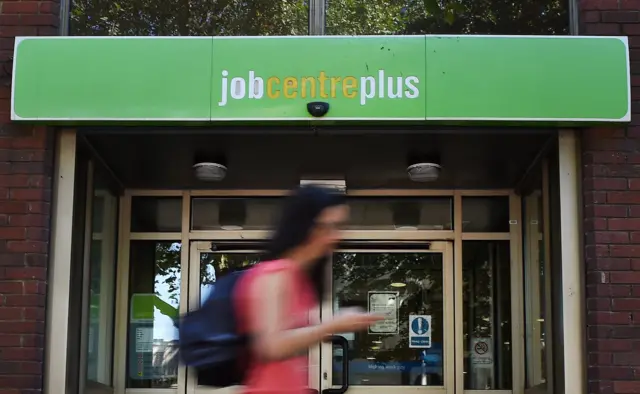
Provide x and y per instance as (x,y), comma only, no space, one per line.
(420,331)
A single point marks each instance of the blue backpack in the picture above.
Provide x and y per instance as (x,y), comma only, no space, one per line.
(210,340)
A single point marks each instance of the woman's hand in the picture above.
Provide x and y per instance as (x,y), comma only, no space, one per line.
(353,319)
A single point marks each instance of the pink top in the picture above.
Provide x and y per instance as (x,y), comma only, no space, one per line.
(287,376)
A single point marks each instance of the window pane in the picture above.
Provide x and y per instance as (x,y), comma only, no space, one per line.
(193,18)
(102,271)
(234,213)
(485,214)
(402,284)
(535,300)
(487,315)
(380,17)
(156,214)
(432,213)
(154,296)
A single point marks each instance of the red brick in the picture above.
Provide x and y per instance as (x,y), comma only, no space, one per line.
(599,4)
(32,247)
(12,180)
(606,184)
(625,304)
(11,313)
(608,290)
(12,233)
(624,251)
(625,332)
(22,327)
(40,20)
(604,158)
(628,197)
(609,237)
(591,16)
(626,387)
(30,194)
(620,16)
(609,264)
(614,224)
(30,220)
(611,372)
(608,345)
(21,382)
(20,7)
(25,300)
(10,340)
(10,287)
(609,318)
(26,273)
(632,29)
(630,4)
(607,211)
(625,277)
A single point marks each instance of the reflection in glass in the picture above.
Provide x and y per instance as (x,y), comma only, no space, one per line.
(374,213)
(193,18)
(154,302)
(487,315)
(234,213)
(101,283)
(426,213)
(214,266)
(485,214)
(535,286)
(399,284)
(156,214)
(383,17)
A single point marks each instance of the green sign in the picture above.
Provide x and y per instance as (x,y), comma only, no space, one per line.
(143,307)
(437,79)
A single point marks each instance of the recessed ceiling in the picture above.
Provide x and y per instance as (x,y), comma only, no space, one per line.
(261,161)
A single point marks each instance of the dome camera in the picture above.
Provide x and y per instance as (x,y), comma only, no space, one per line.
(318,109)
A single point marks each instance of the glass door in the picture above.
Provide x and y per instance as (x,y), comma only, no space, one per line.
(208,262)
(413,348)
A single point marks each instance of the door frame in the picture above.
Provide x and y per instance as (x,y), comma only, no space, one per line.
(444,248)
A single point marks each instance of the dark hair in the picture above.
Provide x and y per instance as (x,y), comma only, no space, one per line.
(298,218)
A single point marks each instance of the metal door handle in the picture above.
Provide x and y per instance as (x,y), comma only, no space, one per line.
(344,344)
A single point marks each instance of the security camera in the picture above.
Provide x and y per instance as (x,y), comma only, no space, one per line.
(318,109)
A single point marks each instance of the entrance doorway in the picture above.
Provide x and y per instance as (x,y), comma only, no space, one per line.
(412,283)
(449,282)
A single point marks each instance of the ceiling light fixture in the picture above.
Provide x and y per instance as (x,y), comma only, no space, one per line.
(209,167)
(424,168)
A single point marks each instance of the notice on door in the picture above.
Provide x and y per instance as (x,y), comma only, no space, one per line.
(420,331)
(384,303)
(482,351)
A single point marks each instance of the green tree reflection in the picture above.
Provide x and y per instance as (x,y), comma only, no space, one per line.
(291,17)
(361,17)
(188,17)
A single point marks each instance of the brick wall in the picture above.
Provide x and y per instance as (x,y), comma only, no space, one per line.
(611,171)
(25,195)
